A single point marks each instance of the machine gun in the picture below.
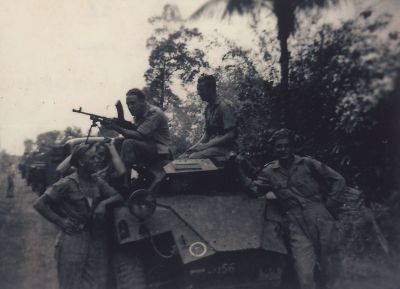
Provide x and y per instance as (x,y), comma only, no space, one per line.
(120,120)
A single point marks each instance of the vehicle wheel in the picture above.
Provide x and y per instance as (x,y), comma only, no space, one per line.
(129,271)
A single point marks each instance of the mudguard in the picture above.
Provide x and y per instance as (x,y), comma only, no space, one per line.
(204,225)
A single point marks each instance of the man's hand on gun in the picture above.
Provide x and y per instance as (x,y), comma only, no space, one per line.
(108,124)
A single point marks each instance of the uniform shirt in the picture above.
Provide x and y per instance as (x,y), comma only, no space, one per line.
(72,201)
(308,181)
(219,118)
(154,126)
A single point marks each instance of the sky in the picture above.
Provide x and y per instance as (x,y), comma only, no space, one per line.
(59,55)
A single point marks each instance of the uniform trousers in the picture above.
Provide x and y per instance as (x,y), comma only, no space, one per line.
(314,242)
(82,260)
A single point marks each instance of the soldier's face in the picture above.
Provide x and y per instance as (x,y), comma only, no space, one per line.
(283,149)
(90,161)
(101,152)
(135,105)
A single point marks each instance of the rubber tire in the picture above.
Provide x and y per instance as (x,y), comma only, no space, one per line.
(129,271)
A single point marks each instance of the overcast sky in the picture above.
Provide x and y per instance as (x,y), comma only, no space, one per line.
(59,55)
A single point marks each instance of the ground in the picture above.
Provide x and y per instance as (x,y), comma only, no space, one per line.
(27,249)
(26,242)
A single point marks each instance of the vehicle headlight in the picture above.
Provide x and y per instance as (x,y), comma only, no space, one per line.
(142,204)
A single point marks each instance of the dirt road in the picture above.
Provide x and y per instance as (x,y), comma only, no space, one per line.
(27,248)
(26,242)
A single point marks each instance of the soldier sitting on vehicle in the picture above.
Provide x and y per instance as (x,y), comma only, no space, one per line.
(308,190)
(220,123)
(77,204)
(151,140)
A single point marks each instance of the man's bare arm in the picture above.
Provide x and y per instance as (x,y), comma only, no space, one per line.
(116,159)
(113,198)
(255,188)
(204,138)
(43,206)
(65,165)
(127,133)
(219,140)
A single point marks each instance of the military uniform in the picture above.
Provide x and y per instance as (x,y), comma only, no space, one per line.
(82,256)
(219,119)
(303,191)
(153,126)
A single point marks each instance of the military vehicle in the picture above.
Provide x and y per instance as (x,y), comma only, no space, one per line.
(188,225)
(33,169)
(39,167)
(191,226)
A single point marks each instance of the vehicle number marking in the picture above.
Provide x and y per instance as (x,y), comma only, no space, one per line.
(223,269)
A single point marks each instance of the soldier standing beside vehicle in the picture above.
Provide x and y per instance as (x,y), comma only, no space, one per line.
(110,165)
(220,123)
(77,204)
(307,189)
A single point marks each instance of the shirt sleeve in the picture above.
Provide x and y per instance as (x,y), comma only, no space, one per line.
(150,124)
(228,117)
(105,189)
(261,185)
(332,179)
(58,190)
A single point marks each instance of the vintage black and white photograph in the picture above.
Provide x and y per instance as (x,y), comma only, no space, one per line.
(209,144)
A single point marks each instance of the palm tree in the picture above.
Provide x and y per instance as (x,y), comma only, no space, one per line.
(285,12)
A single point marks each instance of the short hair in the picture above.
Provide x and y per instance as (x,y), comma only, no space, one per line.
(209,80)
(282,133)
(78,154)
(135,91)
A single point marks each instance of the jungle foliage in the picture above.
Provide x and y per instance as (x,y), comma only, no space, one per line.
(340,99)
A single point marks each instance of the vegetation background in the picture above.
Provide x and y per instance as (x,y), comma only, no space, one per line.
(335,84)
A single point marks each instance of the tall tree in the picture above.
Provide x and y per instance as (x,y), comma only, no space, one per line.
(285,12)
(171,57)
(47,139)
(72,132)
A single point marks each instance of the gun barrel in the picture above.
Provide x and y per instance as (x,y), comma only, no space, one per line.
(99,118)
(92,115)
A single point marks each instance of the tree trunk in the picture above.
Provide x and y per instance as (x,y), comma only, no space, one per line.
(162,87)
(284,62)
